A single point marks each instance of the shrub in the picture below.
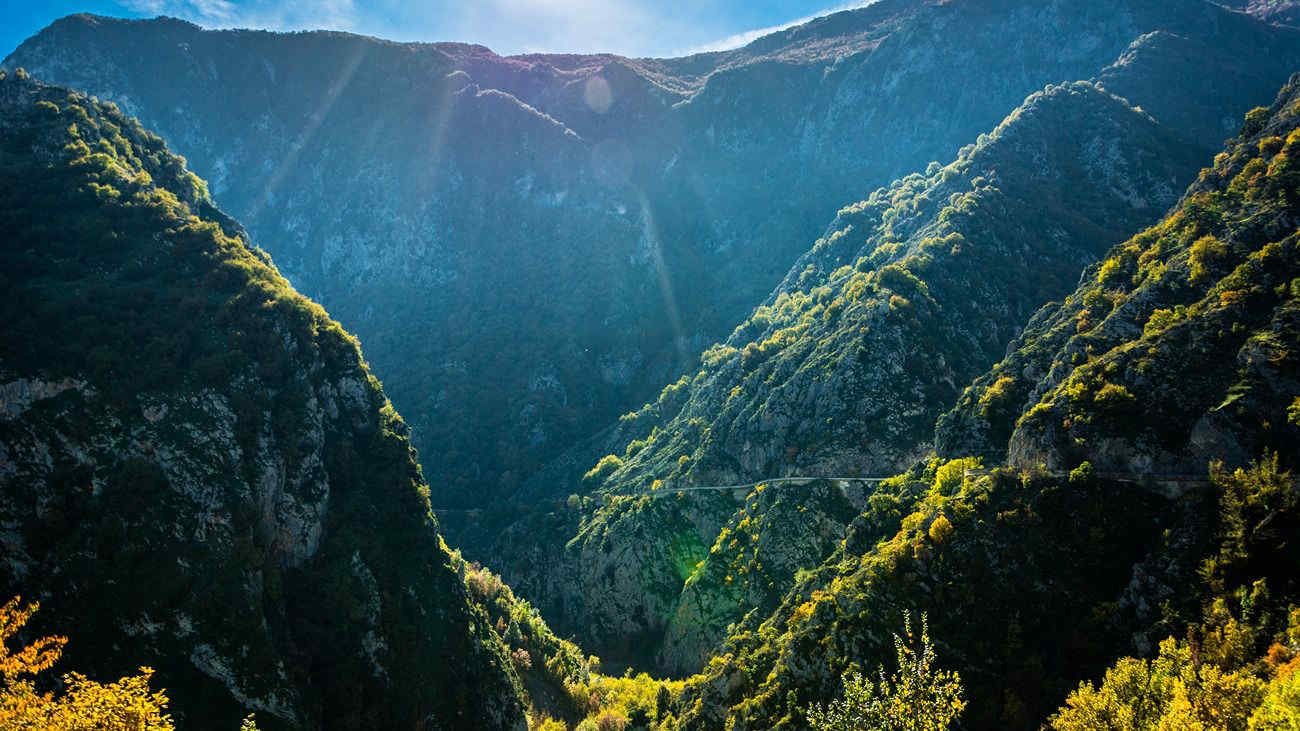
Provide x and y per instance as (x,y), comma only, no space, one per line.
(940,529)
(916,697)
(1206,252)
(948,478)
(604,468)
(1255,121)
(1082,475)
(1172,691)
(997,396)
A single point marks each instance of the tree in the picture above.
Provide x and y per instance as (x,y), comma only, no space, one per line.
(917,697)
(126,705)
(1173,691)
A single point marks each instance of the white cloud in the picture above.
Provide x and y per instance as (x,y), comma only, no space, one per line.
(746,37)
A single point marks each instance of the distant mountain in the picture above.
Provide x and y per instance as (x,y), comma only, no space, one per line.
(530,246)
(1176,350)
(197,469)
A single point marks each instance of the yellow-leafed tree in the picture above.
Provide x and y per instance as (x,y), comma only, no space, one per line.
(126,705)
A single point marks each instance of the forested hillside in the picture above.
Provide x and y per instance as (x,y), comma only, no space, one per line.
(845,368)
(197,470)
(1033,578)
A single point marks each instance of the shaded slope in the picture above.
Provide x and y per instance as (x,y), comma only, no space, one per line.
(197,469)
(517,285)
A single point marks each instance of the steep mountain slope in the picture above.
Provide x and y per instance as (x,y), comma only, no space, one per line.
(1177,350)
(525,265)
(1189,325)
(1276,11)
(843,372)
(197,469)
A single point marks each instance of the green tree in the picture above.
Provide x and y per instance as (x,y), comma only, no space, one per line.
(917,697)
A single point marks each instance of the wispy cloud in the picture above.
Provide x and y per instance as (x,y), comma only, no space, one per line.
(744,38)
(271,14)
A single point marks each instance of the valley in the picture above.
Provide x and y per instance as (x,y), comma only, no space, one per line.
(982,312)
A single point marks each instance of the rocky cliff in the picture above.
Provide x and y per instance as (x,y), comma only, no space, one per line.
(197,469)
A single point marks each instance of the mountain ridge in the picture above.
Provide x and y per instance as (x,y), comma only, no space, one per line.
(653,222)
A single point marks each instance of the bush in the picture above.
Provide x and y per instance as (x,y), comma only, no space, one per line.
(1172,691)
(940,529)
(949,477)
(917,697)
(604,468)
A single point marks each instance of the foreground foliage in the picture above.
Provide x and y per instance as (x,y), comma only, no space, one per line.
(917,697)
(1221,677)
(128,704)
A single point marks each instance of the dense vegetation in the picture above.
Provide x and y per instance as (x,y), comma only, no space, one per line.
(199,453)
(1135,565)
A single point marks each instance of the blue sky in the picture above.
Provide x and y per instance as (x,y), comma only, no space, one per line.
(628,27)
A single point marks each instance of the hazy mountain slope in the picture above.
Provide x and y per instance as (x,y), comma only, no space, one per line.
(1190,325)
(518,286)
(1032,579)
(491,264)
(843,371)
(197,469)
(1276,11)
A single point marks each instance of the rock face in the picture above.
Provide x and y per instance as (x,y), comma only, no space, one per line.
(197,470)
(1176,349)
(530,246)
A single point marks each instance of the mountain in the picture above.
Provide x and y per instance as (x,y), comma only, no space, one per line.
(1174,352)
(1188,325)
(197,469)
(530,246)
(1276,11)
(842,372)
